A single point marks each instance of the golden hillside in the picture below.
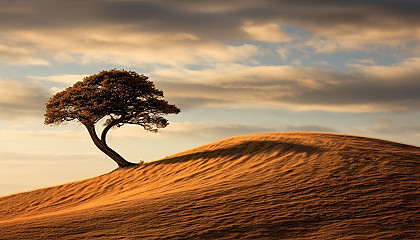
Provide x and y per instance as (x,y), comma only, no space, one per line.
(263,186)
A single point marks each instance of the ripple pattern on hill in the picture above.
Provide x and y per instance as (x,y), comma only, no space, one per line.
(263,186)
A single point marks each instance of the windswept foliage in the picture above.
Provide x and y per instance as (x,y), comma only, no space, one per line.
(120,97)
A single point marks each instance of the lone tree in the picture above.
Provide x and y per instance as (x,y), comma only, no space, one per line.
(117,96)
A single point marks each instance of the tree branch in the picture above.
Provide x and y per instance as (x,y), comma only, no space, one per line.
(94,136)
(104,147)
(109,126)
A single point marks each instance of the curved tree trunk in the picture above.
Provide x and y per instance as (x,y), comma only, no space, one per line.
(101,144)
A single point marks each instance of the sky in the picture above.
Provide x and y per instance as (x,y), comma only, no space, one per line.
(233,67)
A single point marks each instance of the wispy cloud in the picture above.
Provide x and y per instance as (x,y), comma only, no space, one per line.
(67,79)
(191,130)
(57,83)
(121,46)
(45,134)
(45,158)
(370,88)
(21,98)
(267,32)
(390,126)
(366,89)
(310,128)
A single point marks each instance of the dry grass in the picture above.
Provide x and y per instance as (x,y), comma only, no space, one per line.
(265,186)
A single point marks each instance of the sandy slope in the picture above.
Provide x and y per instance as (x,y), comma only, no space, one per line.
(266,186)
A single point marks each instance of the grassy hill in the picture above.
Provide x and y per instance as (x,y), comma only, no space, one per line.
(262,186)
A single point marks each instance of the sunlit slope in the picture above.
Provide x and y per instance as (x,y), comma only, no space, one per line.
(278,185)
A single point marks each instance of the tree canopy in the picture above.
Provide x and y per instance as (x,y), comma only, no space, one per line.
(117,96)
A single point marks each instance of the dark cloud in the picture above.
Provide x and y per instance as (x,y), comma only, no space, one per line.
(210,19)
(143,16)
(362,90)
(373,12)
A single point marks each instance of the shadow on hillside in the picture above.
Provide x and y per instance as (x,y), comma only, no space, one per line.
(244,149)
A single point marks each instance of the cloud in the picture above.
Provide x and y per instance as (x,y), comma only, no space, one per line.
(353,24)
(20,53)
(116,45)
(134,33)
(267,32)
(209,130)
(190,130)
(324,45)
(42,169)
(44,158)
(214,40)
(21,99)
(390,126)
(60,82)
(67,79)
(45,134)
(310,128)
(371,88)
(6,189)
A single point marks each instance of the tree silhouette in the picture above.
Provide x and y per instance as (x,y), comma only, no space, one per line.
(117,96)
